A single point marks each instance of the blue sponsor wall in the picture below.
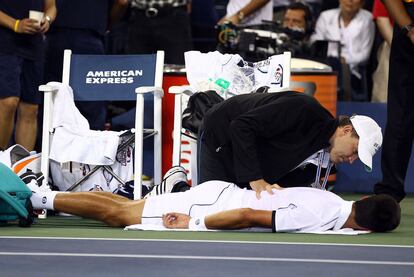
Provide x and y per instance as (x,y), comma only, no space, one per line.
(354,178)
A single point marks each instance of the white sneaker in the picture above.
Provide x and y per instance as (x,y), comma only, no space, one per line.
(32,181)
(34,187)
(173,176)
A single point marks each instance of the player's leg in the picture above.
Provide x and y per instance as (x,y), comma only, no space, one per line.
(110,208)
(104,206)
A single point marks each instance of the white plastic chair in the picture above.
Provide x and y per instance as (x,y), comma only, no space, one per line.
(181,135)
(112,77)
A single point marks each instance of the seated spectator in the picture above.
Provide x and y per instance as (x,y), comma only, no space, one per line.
(294,29)
(279,7)
(354,29)
(298,18)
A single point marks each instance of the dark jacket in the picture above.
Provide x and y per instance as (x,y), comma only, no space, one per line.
(266,135)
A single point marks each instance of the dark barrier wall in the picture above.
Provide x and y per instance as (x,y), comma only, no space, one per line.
(354,178)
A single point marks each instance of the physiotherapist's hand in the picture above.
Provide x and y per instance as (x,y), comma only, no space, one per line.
(261,185)
(176,220)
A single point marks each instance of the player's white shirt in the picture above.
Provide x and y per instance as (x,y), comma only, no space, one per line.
(296,209)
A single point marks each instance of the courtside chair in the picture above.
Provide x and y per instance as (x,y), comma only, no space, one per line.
(112,78)
(188,157)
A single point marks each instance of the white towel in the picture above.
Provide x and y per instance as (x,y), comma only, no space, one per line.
(73,140)
(148,227)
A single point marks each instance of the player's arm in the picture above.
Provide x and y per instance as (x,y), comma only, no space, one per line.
(226,220)
(397,11)
(239,219)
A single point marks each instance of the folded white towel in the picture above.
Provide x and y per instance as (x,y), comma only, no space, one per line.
(149,227)
(73,140)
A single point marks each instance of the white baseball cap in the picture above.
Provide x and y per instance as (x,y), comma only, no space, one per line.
(370,138)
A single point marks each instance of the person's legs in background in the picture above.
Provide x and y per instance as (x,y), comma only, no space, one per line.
(168,31)
(8,107)
(19,83)
(399,131)
(174,45)
(26,121)
(10,71)
(26,125)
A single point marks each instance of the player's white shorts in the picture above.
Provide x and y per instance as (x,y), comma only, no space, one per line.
(204,199)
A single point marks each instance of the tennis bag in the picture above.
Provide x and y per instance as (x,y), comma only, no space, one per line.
(197,106)
(14,198)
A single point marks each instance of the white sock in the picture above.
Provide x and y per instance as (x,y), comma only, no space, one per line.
(43,199)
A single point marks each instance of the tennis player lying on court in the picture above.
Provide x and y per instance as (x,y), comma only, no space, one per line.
(224,206)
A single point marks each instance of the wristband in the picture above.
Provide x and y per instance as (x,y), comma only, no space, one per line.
(407,28)
(197,223)
(16,25)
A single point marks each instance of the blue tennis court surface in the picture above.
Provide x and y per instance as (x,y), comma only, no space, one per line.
(120,257)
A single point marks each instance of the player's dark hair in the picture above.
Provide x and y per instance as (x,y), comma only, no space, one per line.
(378,213)
(346,120)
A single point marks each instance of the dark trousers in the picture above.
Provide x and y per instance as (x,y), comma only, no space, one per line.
(215,164)
(399,131)
(169,31)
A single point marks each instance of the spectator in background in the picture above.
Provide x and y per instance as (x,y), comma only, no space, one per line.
(81,26)
(298,25)
(160,25)
(354,29)
(21,58)
(399,132)
(380,76)
(279,7)
(248,12)
(298,17)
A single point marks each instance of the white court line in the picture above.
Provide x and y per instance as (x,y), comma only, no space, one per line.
(182,257)
(215,241)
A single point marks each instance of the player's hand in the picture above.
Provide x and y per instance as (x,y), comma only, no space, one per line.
(176,220)
(261,185)
(28,26)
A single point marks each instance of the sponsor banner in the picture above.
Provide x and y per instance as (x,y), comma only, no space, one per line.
(103,75)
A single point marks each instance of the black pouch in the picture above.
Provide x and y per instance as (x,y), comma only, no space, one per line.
(198,104)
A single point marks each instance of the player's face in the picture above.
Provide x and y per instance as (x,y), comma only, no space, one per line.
(344,147)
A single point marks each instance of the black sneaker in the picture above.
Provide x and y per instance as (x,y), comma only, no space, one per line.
(174,175)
